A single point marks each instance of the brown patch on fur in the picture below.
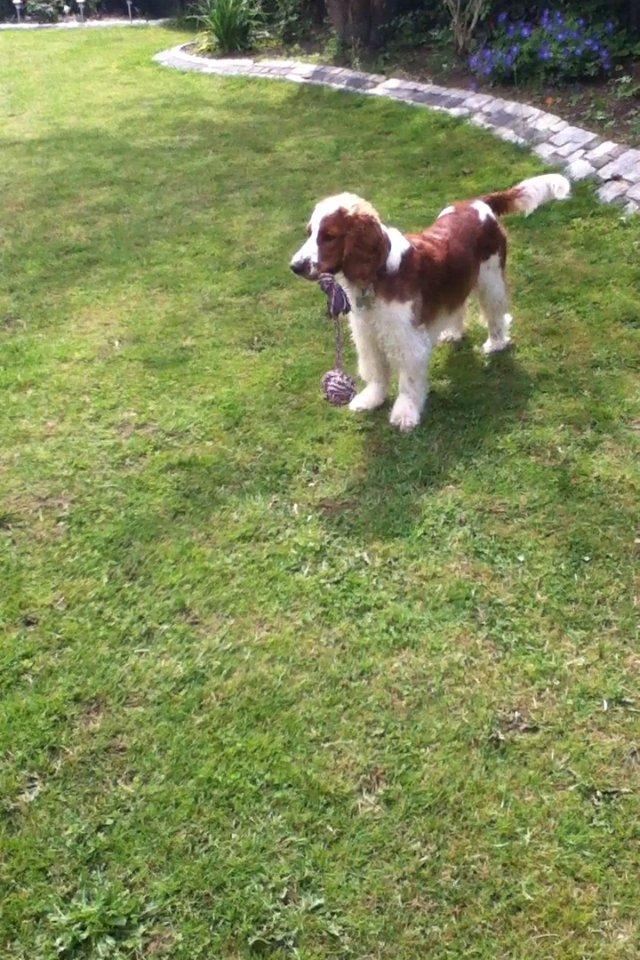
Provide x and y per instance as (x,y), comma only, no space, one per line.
(441,268)
(354,243)
(504,201)
(365,250)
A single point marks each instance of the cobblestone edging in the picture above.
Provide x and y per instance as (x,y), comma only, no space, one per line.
(581,154)
(84,24)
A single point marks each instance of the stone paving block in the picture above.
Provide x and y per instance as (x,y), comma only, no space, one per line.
(358,83)
(532,113)
(500,119)
(602,151)
(566,149)
(545,122)
(300,69)
(506,133)
(457,92)
(478,100)
(627,161)
(575,135)
(544,150)
(428,95)
(612,191)
(285,64)
(579,170)
(478,120)
(603,159)
(528,132)
(576,155)
(634,193)
(493,105)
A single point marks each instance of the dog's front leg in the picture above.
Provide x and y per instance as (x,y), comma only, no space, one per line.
(373,366)
(412,350)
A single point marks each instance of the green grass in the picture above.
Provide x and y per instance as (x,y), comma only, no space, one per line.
(277,681)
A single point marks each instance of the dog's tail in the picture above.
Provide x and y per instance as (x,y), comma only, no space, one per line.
(529,195)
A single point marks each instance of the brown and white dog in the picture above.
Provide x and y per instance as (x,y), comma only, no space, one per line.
(408,292)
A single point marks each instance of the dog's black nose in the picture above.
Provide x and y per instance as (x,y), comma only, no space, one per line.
(300,267)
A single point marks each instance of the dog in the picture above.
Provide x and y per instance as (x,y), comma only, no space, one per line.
(407,292)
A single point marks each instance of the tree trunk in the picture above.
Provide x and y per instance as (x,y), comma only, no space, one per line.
(318,11)
(358,22)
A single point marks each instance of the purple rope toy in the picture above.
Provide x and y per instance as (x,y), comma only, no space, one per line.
(339,387)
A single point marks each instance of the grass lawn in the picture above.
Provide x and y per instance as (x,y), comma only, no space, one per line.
(277,681)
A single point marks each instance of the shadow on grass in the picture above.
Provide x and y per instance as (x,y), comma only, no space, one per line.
(480,400)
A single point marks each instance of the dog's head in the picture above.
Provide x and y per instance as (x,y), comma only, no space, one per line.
(344,236)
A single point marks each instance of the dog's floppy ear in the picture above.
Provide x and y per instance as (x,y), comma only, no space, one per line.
(365,249)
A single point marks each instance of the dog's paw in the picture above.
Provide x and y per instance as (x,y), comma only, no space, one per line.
(502,341)
(451,336)
(405,414)
(496,346)
(373,395)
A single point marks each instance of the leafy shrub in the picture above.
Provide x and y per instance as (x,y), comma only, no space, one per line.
(229,25)
(414,28)
(556,48)
(43,11)
(289,19)
(465,16)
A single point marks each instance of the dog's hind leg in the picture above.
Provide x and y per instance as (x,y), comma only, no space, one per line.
(453,331)
(494,303)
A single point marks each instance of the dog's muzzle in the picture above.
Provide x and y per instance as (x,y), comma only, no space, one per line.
(304,268)
(300,267)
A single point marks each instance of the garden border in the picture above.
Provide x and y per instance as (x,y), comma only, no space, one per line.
(85,24)
(581,153)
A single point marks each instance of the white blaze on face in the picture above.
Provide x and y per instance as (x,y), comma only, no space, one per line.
(309,250)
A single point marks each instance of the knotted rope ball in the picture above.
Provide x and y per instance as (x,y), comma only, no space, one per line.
(339,388)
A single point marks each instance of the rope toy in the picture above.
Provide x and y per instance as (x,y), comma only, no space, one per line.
(339,388)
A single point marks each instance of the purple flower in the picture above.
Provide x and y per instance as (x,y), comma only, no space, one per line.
(526,31)
(503,17)
(609,27)
(545,52)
